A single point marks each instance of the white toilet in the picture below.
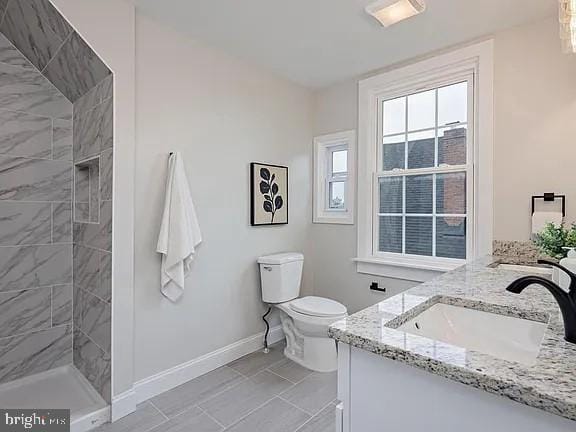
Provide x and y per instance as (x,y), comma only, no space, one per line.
(305,320)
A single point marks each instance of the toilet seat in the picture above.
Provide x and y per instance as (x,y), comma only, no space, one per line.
(318,307)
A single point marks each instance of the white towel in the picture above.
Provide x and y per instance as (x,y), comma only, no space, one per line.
(541,219)
(179,232)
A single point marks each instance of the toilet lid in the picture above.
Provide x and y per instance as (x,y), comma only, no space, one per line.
(318,306)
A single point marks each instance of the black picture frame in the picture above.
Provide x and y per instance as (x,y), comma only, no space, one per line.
(258,196)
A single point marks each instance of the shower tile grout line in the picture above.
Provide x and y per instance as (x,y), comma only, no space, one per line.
(52,308)
(12,201)
(43,116)
(66,39)
(89,110)
(36,244)
(33,66)
(100,99)
(94,295)
(51,223)
(91,340)
(34,288)
(36,331)
(34,158)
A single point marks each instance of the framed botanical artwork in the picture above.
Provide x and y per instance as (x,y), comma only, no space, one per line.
(268,194)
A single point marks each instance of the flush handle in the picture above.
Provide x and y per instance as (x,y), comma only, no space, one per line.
(268,268)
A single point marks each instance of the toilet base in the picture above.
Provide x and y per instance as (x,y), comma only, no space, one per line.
(311,365)
(317,353)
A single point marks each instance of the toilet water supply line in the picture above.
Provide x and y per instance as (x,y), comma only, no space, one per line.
(266,350)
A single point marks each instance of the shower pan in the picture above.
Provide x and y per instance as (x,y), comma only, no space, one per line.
(61,388)
(56,169)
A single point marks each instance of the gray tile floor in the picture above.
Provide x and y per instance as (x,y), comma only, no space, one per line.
(257,393)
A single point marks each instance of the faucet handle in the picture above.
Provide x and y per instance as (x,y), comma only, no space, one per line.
(564,269)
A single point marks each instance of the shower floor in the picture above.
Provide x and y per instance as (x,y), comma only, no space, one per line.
(61,388)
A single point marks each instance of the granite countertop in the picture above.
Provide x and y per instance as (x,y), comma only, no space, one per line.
(548,384)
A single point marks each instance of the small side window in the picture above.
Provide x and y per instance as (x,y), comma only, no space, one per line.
(334,157)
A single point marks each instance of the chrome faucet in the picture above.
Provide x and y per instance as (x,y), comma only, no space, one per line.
(566,300)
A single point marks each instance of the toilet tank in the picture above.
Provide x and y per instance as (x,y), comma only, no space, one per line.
(281,275)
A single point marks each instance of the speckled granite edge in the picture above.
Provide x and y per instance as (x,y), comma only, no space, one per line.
(549,385)
(517,252)
(474,378)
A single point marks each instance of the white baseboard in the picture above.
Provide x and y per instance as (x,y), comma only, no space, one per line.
(91,421)
(123,404)
(173,377)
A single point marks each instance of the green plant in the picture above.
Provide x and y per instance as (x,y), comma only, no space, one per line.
(571,237)
(553,239)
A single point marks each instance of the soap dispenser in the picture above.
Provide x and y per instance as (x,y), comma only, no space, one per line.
(569,262)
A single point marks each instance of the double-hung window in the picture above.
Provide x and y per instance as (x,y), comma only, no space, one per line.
(421,187)
(425,164)
(337,179)
(334,178)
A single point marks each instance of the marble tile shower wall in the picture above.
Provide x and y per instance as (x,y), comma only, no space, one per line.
(50,43)
(35,220)
(93,138)
(44,66)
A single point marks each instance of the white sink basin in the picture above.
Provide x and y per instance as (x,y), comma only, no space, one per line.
(508,338)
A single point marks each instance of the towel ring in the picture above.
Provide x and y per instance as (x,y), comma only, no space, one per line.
(550,197)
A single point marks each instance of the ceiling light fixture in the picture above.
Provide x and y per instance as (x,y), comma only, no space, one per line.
(568,25)
(390,12)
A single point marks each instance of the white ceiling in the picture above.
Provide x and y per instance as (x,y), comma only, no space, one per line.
(319,42)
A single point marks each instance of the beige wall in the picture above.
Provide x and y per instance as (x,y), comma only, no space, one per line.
(535,150)
(221,114)
(535,125)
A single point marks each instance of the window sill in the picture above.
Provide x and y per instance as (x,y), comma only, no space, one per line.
(337,218)
(416,270)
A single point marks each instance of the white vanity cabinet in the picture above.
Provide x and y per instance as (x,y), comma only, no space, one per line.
(380,395)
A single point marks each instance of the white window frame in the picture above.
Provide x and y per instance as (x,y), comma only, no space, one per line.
(332,177)
(324,146)
(474,62)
